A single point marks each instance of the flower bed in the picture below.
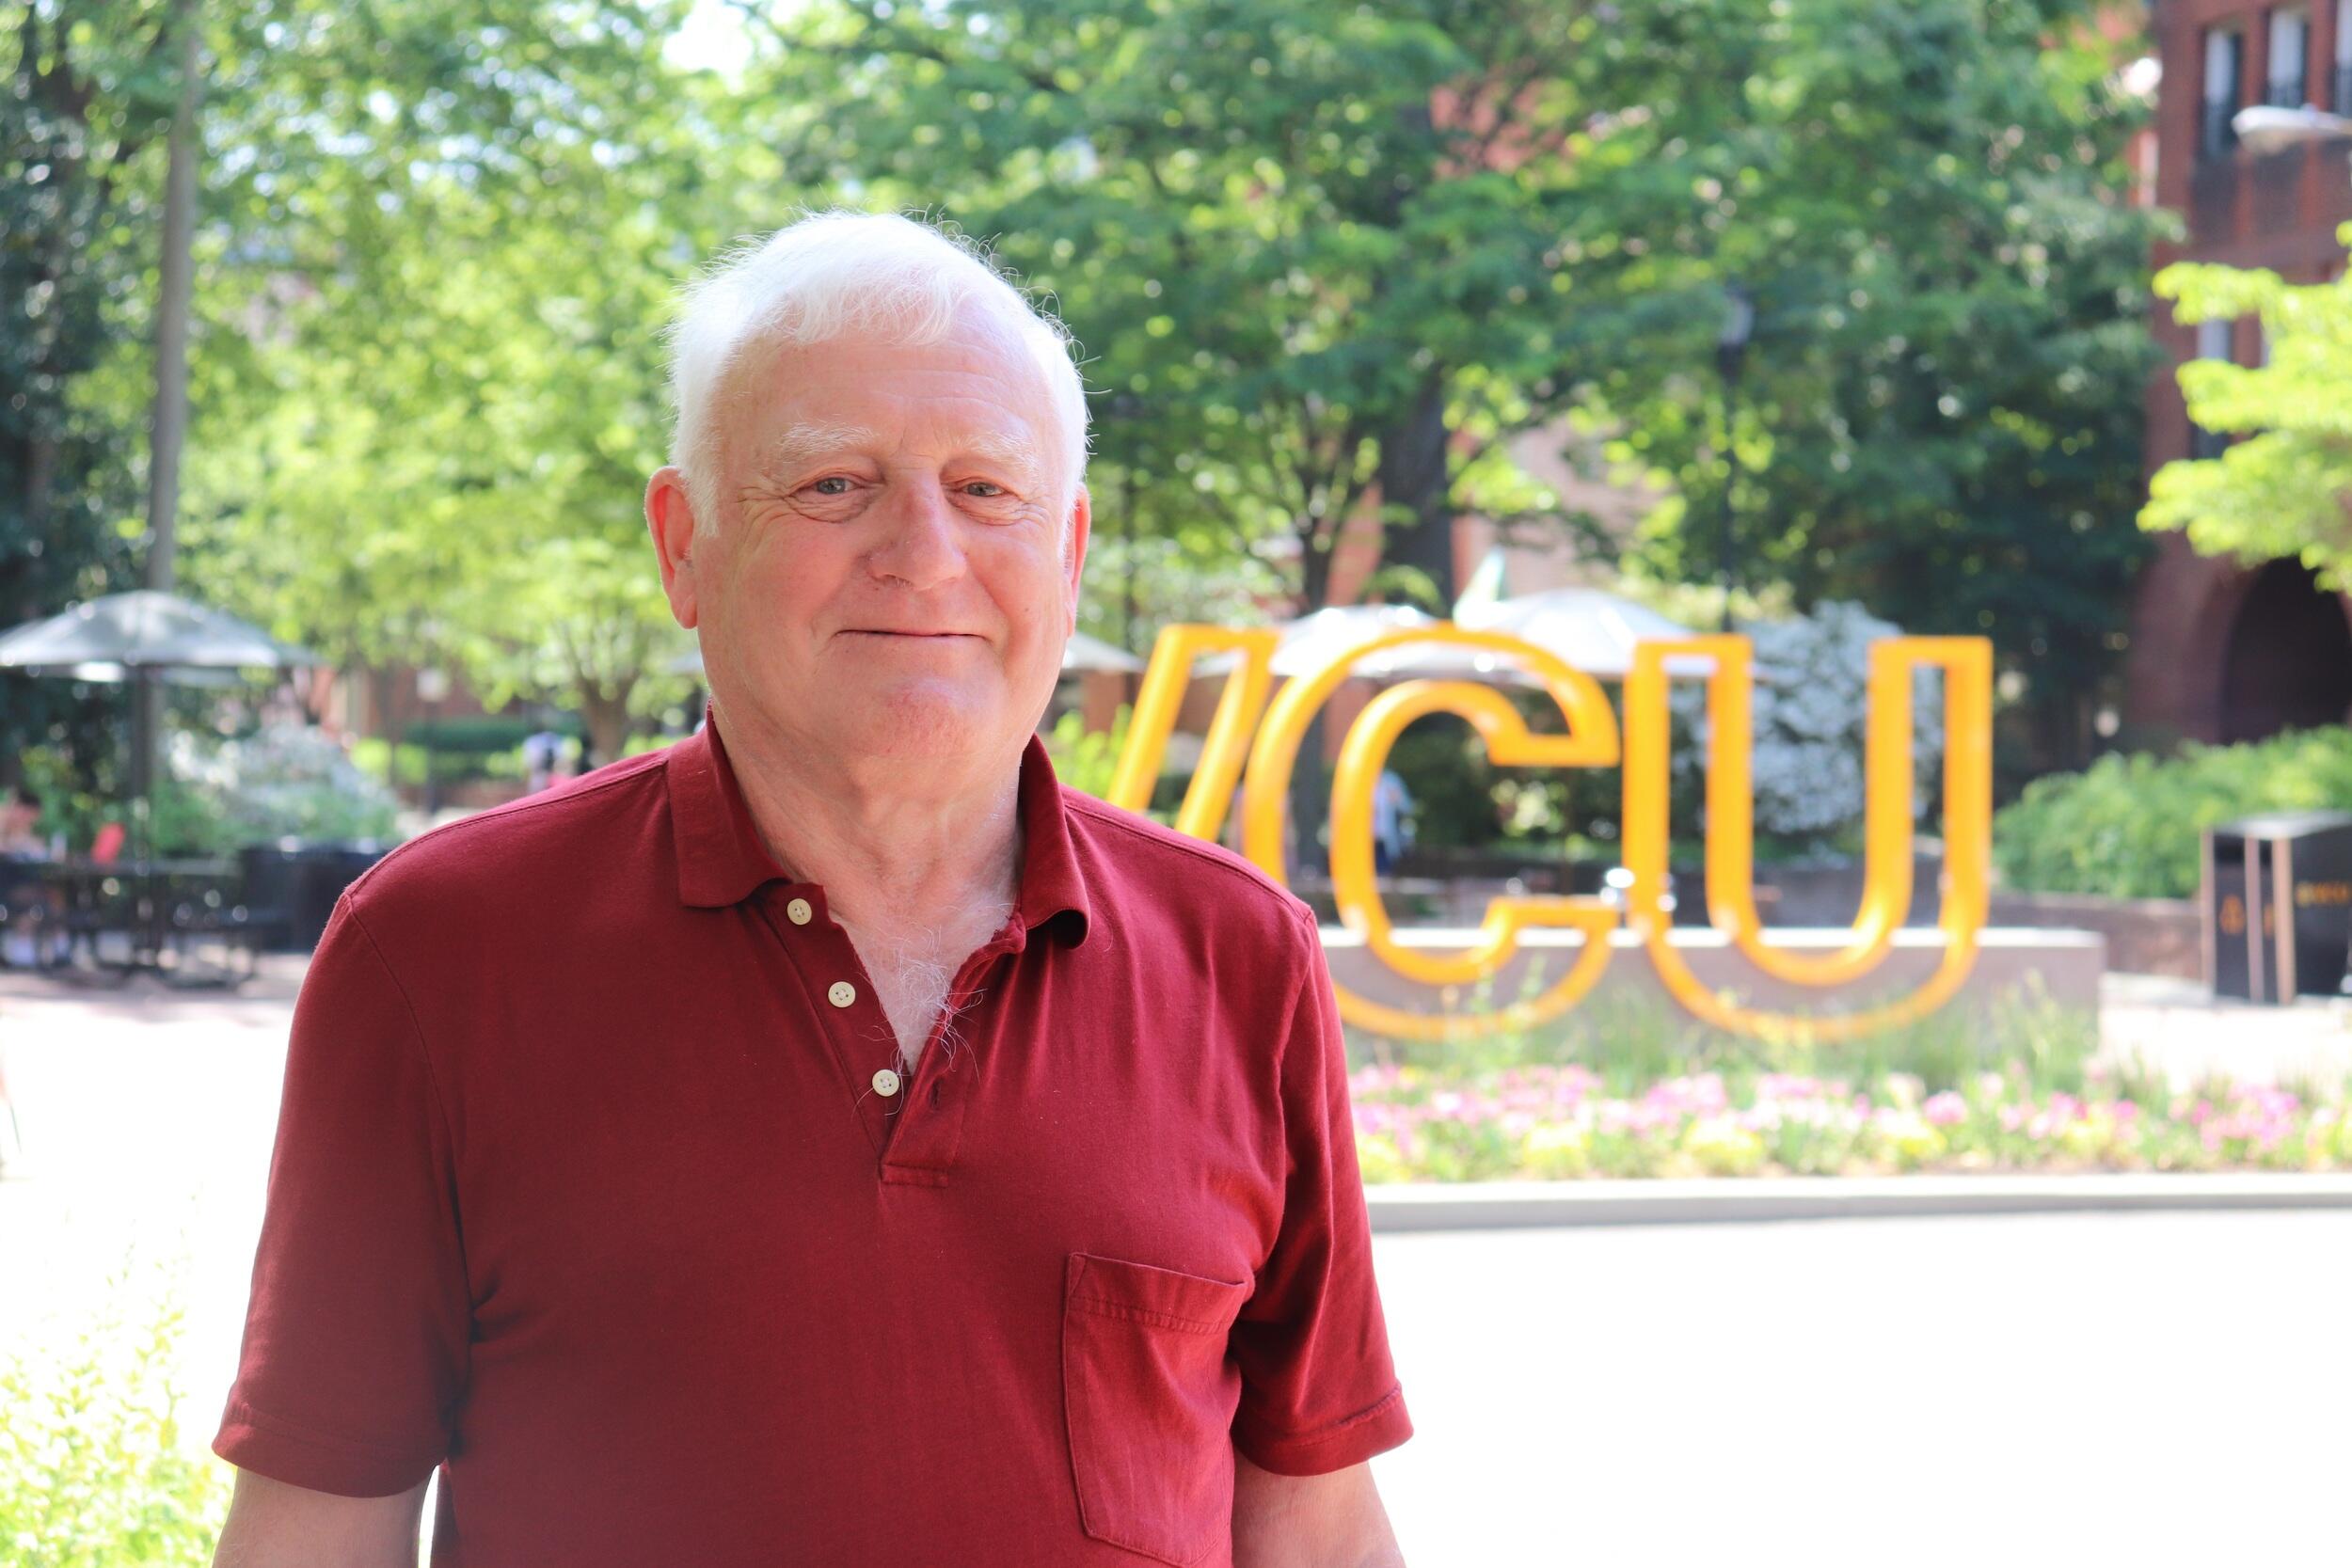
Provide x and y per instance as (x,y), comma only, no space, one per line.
(1557,1122)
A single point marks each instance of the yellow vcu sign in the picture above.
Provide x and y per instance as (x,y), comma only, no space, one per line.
(1592,739)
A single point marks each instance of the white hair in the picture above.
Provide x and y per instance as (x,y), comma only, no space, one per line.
(832,274)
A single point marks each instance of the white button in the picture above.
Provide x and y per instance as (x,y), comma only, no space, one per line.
(842,993)
(798,912)
(885,1081)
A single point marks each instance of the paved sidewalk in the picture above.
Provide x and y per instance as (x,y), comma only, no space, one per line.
(2157,1390)
(2177,1024)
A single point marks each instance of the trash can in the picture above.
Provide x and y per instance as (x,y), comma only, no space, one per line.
(2278,905)
(320,872)
(266,875)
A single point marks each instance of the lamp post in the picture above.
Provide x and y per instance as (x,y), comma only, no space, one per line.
(1731,348)
(433,685)
(170,422)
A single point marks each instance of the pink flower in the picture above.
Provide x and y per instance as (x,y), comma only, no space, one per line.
(1945,1110)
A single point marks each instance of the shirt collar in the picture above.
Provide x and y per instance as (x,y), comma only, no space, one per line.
(722,860)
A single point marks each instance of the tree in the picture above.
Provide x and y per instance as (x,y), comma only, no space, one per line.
(1273,229)
(1317,254)
(1940,417)
(86,96)
(432,358)
(1336,251)
(2285,487)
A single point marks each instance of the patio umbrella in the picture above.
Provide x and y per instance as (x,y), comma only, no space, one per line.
(1316,640)
(144,630)
(140,636)
(1083,653)
(105,673)
(1586,629)
(1086,653)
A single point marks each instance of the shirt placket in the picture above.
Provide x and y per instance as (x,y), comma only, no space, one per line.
(912,1124)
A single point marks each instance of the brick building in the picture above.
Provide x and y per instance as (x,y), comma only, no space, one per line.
(2220,651)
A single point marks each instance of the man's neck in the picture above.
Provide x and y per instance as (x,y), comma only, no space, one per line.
(891,844)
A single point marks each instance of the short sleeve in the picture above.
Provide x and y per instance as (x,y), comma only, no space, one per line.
(1319,1392)
(355,1335)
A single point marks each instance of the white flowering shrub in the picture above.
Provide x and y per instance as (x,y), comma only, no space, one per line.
(283,781)
(1811,718)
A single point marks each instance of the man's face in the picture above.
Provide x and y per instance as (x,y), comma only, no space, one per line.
(888,577)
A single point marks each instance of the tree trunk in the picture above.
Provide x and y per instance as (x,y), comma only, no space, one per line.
(1314,574)
(1413,477)
(606,714)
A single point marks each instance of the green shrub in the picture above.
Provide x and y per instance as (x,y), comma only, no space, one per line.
(92,1472)
(281,780)
(480,733)
(404,766)
(1084,759)
(2130,825)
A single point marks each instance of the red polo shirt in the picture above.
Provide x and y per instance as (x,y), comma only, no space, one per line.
(587,1191)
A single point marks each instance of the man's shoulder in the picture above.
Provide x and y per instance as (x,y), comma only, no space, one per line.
(1204,883)
(529,850)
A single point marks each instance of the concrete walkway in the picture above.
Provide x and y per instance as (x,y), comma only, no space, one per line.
(2178,1025)
(2162,1390)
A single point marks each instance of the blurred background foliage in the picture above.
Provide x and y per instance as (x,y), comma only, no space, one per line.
(2279,490)
(2130,825)
(1307,250)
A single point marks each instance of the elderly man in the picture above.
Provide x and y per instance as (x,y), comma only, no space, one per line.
(827,1141)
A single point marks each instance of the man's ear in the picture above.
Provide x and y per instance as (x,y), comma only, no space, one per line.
(1075,553)
(670,519)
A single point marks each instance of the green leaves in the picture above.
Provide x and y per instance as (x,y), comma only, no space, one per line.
(1437,255)
(461,257)
(1273,230)
(2287,488)
(2130,825)
(94,1472)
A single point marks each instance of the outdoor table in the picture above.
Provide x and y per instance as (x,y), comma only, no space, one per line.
(142,899)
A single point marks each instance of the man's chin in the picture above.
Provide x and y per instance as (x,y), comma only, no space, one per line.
(918,721)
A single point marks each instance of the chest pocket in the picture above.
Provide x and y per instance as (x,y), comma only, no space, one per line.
(1148,1394)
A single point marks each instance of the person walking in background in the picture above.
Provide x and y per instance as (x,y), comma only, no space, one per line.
(1392,821)
(542,752)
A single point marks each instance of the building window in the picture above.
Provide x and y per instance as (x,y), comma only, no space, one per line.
(2225,61)
(2290,37)
(2213,343)
(2343,104)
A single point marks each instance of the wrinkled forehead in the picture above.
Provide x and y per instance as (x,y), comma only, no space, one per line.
(979,342)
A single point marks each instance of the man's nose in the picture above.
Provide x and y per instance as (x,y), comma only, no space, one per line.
(919,547)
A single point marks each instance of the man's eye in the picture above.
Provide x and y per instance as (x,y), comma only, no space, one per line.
(984,488)
(831,480)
